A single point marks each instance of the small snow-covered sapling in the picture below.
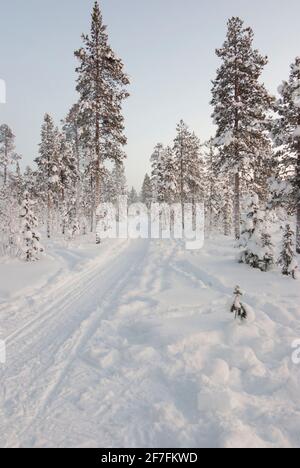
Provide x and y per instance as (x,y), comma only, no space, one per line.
(287,259)
(238,308)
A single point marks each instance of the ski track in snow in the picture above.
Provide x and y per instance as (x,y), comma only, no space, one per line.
(138,349)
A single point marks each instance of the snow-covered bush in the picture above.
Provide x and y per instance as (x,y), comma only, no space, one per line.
(31,246)
(255,240)
(287,259)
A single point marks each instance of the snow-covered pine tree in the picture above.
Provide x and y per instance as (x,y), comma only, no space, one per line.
(119,181)
(146,192)
(264,170)
(241,104)
(31,246)
(218,192)
(18,182)
(48,176)
(8,156)
(9,222)
(14,183)
(157,171)
(287,259)
(195,168)
(133,197)
(101,84)
(107,194)
(169,177)
(72,128)
(287,136)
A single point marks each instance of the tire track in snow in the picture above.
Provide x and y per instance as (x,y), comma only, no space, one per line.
(61,332)
(61,293)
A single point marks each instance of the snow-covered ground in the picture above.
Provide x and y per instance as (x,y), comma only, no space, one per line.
(132,345)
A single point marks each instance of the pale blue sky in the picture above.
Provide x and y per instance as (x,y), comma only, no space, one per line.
(167,46)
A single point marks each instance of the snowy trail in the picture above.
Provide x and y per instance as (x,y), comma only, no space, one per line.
(138,349)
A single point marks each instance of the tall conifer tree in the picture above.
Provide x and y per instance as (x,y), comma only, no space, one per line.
(241,104)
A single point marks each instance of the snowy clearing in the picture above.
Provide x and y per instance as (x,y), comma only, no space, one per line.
(134,346)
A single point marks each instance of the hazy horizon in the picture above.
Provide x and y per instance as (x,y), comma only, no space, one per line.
(168,49)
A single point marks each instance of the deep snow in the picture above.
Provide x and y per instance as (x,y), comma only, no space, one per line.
(132,345)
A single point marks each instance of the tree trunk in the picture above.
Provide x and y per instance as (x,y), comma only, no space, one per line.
(48,217)
(5,175)
(97,198)
(97,129)
(237,203)
(92,206)
(210,229)
(298,203)
(298,229)
(6,160)
(226,221)
(78,182)
(181,185)
(63,214)
(237,207)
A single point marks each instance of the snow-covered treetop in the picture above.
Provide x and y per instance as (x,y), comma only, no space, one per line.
(287,127)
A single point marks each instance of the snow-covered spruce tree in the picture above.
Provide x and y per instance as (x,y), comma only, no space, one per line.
(30,183)
(157,171)
(146,192)
(31,246)
(101,84)
(241,104)
(268,256)
(8,156)
(255,240)
(48,176)
(287,136)
(287,259)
